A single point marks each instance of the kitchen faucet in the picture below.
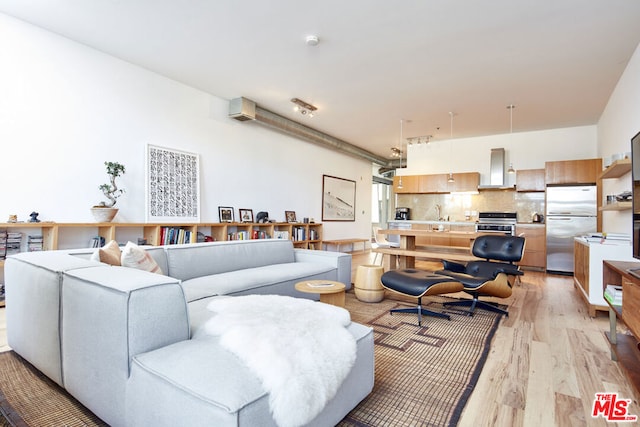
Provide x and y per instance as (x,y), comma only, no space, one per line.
(438,208)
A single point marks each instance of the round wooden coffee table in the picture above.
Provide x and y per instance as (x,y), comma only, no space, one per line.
(330,292)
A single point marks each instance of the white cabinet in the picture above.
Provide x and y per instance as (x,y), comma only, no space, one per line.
(588,257)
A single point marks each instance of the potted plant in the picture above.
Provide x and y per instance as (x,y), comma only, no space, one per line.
(105,211)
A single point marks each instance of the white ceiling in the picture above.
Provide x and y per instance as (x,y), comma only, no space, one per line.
(378,61)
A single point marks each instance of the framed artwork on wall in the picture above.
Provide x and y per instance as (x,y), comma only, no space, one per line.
(225,213)
(246,215)
(173,185)
(338,199)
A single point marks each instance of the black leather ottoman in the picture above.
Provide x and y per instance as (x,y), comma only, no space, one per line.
(419,283)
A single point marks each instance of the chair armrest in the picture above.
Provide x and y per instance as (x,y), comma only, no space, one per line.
(453,266)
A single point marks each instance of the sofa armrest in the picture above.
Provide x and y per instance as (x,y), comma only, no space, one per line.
(339,260)
(109,315)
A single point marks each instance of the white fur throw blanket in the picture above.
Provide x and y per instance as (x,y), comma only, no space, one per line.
(299,349)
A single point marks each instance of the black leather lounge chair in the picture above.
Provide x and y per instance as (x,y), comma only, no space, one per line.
(494,276)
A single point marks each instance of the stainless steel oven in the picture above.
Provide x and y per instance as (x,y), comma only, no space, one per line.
(497,222)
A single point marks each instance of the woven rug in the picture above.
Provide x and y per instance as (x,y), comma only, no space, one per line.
(423,375)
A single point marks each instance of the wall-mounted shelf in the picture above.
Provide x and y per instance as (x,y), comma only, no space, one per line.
(616,169)
(616,206)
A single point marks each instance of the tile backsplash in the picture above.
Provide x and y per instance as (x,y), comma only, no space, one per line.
(456,207)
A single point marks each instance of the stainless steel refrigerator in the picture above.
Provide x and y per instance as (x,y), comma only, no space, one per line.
(571,211)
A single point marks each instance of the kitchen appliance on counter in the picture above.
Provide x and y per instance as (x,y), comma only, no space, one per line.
(497,222)
(538,218)
(403,214)
(571,211)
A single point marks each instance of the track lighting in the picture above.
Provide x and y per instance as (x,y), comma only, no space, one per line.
(304,108)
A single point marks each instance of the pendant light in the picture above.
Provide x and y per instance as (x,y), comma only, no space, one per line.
(450,179)
(400,180)
(510,107)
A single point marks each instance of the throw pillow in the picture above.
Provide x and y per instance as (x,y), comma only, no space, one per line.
(135,257)
(109,254)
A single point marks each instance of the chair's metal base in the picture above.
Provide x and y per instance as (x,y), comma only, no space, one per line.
(476,303)
(420,311)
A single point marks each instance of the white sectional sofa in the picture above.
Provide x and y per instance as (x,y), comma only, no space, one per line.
(128,343)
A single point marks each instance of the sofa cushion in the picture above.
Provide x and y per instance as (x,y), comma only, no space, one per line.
(109,253)
(134,256)
(256,280)
(195,260)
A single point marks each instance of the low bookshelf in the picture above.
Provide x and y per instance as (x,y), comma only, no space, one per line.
(60,235)
(625,348)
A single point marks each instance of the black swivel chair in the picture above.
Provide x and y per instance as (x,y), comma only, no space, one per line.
(494,276)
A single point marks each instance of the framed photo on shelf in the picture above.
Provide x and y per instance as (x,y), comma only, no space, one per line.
(172,185)
(338,199)
(225,213)
(290,216)
(246,215)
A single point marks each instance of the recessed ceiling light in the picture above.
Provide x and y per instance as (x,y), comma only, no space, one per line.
(312,40)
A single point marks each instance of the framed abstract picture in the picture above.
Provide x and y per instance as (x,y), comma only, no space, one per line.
(173,185)
(338,199)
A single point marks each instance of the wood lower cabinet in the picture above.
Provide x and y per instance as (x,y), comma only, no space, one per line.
(625,348)
(535,254)
(585,171)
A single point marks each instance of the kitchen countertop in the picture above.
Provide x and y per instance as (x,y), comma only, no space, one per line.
(534,224)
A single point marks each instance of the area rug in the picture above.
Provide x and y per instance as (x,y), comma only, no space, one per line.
(28,398)
(423,375)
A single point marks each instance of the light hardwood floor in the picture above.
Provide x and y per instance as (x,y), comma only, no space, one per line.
(547,359)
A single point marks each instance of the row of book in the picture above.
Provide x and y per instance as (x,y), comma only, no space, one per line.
(300,234)
(613,294)
(10,243)
(176,236)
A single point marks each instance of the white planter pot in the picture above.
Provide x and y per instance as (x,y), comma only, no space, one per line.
(104,214)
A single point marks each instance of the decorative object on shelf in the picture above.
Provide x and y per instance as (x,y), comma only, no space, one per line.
(33,217)
(262,217)
(338,199)
(104,211)
(290,216)
(13,218)
(173,185)
(225,213)
(246,215)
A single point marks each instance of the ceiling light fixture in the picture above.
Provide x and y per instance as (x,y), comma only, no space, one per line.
(450,179)
(304,108)
(510,107)
(312,40)
(400,181)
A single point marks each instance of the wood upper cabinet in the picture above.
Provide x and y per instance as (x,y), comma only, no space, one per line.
(573,171)
(530,180)
(467,181)
(410,184)
(437,183)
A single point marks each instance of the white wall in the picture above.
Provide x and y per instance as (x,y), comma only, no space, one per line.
(66,108)
(526,150)
(619,122)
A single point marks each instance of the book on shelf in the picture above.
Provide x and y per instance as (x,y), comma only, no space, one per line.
(613,294)
(277,234)
(34,243)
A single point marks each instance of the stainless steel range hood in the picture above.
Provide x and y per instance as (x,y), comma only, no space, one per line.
(496,171)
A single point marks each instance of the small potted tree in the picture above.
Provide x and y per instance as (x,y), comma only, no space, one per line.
(105,211)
